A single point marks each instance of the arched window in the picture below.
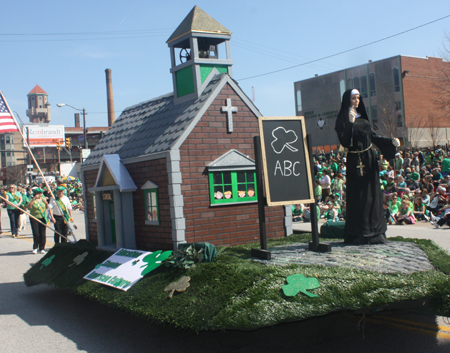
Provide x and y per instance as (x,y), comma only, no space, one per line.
(396,79)
(363,86)
(372,88)
(299,101)
(357,83)
(349,83)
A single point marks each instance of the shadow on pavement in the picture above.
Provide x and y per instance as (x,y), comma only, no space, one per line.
(96,328)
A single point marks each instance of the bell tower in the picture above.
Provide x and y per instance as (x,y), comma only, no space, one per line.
(194,53)
(38,110)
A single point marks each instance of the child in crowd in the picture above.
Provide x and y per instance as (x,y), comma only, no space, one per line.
(420,211)
(318,191)
(331,215)
(404,214)
(388,213)
(297,213)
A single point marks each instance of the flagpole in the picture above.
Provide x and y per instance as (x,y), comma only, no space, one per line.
(26,144)
(34,159)
(11,204)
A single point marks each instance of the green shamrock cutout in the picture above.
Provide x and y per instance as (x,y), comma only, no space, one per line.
(47,261)
(299,283)
(154,260)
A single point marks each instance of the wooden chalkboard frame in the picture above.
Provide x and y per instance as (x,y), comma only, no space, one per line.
(309,178)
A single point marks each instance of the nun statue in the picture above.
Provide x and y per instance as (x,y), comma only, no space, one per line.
(365,222)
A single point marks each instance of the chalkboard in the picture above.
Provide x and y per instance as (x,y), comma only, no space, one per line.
(286,161)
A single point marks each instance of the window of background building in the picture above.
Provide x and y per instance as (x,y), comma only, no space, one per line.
(398,105)
(372,88)
(357,83)
(363,86)
(399,120)
(7,139)
(374,113)
(396,79)
(342,87)
(299,101)
(349,83)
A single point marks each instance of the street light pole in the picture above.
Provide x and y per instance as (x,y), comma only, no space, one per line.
(84,129)
(84,121)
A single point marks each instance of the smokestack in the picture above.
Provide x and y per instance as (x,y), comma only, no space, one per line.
(77,119)
(110,98)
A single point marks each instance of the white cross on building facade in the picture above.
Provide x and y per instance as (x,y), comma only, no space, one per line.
(229,110)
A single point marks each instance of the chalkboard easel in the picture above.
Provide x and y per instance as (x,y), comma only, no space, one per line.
(287,162)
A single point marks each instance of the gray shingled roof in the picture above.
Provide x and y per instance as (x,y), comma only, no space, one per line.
(150,127)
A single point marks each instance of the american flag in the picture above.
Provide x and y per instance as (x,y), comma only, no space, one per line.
(7,123)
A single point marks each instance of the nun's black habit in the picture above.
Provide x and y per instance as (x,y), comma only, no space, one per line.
(365,221)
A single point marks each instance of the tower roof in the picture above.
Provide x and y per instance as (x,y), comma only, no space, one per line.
(37,90)
(198,21)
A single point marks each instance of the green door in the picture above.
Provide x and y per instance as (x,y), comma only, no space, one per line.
(113,221)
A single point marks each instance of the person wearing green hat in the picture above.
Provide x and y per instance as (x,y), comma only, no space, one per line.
(15,198)
(38,207)
(62,213)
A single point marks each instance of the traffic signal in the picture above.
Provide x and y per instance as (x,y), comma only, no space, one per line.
(58,145)
(68,142)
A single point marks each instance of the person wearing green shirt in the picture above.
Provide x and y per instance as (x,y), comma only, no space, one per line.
(38,207)
(404,214)
(297,213)
(15,198)
(394,204)
(318,191)
(445,167)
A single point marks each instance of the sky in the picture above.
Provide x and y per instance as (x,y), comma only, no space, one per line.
(65,46)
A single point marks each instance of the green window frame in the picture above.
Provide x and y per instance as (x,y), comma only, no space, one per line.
(151,207)
(228,187)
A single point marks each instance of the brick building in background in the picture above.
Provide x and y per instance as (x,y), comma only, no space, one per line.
(180,167)
(398,93)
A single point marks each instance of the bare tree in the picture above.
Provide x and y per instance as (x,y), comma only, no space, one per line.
(441,84)
(16,174)
(416,131)
(434,133)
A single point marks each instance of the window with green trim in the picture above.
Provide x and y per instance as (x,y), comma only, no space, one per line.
(151,206)
(232,186)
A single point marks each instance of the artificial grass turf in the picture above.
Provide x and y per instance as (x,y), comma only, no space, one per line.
(236,293)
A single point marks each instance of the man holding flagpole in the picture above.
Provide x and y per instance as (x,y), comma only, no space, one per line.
(62,213)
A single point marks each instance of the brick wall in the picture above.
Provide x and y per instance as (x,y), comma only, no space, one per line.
(221,225)
(148,237)
(151,237)
(418,92)
(90,176)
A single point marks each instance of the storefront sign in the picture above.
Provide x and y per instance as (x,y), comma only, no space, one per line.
(44,136)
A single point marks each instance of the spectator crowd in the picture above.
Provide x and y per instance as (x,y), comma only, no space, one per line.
(35,201)
(415,186)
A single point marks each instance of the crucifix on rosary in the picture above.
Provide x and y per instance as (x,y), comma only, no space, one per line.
(360,166)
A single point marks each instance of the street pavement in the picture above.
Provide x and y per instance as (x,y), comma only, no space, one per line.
(46,319)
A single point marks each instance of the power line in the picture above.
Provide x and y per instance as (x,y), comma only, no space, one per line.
(345,51)
(79,39)
(88,33)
